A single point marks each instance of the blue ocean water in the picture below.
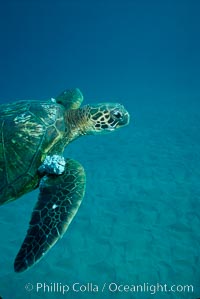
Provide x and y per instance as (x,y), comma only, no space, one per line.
(139,221)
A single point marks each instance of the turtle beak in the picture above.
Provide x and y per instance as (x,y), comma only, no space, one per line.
(124,120)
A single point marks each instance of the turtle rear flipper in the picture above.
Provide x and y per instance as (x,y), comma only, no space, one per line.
(59,199)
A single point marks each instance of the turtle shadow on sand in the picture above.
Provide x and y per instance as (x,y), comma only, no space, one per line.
(33,136)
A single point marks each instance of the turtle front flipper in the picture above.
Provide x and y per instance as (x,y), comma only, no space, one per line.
(59,199)
(70,98)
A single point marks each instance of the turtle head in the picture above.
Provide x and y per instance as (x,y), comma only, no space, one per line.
(106,117)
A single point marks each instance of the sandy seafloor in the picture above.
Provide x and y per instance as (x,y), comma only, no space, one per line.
(139,221)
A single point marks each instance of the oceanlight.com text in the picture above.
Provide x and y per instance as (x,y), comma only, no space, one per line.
(111,287)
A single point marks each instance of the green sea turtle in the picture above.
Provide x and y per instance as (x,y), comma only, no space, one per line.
(33,135)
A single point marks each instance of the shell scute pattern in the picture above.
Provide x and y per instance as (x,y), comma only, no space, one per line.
(23,148)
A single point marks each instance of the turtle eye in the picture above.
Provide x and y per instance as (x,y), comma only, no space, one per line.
(117,114)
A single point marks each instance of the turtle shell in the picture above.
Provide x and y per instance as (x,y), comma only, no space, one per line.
(29,130)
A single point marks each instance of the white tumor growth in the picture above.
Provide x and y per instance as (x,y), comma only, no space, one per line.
(54,206)
(53,165)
